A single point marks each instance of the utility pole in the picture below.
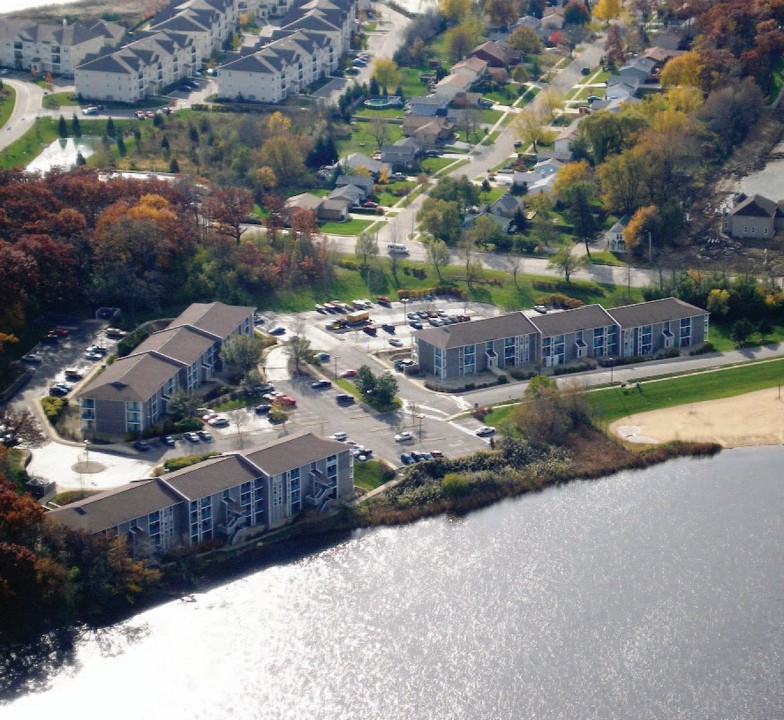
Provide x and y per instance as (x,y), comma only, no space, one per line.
(650,249)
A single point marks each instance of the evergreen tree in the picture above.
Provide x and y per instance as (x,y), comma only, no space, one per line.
(174,166)
(80,159)
(110,129)
(373,88)
(121,145)
(62,127)
(76,127)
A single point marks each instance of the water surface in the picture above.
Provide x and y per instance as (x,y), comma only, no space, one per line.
(654,594)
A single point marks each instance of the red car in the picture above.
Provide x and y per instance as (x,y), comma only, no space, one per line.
(348,373)
(286,400)
(60,332)
(370,330)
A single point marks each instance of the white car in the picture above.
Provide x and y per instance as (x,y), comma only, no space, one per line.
(404,437)
(484,431)
(218,421)
(339,436)
(395,342)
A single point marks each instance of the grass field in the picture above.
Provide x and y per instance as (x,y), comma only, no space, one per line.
(720,337)
(614,403)
(7,100)
(56,100)
(30,145)
(370,475)
(350,227)
(362,140)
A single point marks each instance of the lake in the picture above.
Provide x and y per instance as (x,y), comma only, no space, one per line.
(10,6)
(651,594)
(61,153)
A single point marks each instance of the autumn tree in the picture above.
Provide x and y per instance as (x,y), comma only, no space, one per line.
(441,219)
(643,225)
(380,130)
(607,9)
(229,209)
(386,73)
(298,348)
(462,39)
(526,40)
(366,249)
(623,179)
(501,12)
(285,155)
(613,47)
(454,10)
(531,126)
(576,13)
(685,69)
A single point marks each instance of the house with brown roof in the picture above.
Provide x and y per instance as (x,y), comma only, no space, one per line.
(428,131)
(453,84)
(474,67)
(754,217)
(133,392)
(558,338)
(227,498)
(495,54)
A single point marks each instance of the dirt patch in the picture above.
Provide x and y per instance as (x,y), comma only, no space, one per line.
(753,419)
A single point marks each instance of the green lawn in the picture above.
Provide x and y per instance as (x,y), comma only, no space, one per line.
(436,163)
(615,403)
(503,97)
(56,100)
(720,337)
(362,140)
(366,112)
(491,138)
(30,145)
(7,101)
(456,165)
(387,198)
(350,227)
(490,116)
(370,475)
(410,82)
(605,257)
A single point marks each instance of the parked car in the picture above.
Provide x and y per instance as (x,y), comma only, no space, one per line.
(218,421)
(585,71)
(406,459)
(32,358)
(417,456)
(168,440)
(404,436)
(96,350)
(279,330)
(386,327)
(416,324)
(348,373)
(73,374)
(206,417)
(395,342)
(383,299)
(262,409)
(484,431)
(204,435)
(339,436)
(370,330)
(191,437)
(344,399)
(324,357)
(57,391)
(60,332)
(142,445)
(437,454)
(518,144)
(540,309)
(321,385)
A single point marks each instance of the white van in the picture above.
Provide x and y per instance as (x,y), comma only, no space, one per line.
(397,249)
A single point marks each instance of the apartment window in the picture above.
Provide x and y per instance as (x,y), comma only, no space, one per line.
(439,366)
(133,416)
(645,344)
(685,334)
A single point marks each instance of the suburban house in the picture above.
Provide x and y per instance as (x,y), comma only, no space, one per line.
(637,69)
(360,160)
(350,191)
(401,154)
(614,236)
(228,498)
(620,89)
(54,48)
(363,182)
(453,84)
(474,67)
(493,53)
(428,105)
(132,393)
(473,347)
(427,131)
(563,143)
(541,177)
(754,217)
(553,19)
(557,338)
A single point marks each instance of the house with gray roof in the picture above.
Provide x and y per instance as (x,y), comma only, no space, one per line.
(133,392)
(754,217)
(401,154)
(428,105)
(226,498)
(559,338)
(360,160)
(614,236)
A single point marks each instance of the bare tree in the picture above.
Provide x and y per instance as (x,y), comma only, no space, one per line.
(438,255)
(239,419)
(20,426)
(380,131)
(298,347)
(515,262)
(366,249)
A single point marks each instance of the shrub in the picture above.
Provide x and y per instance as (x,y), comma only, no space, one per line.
(130,342)
(348,264)
(502,379)
(454,485)
(185,461)
(53,408)
(481,413)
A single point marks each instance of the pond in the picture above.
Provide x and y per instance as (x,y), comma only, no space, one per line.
(62,153)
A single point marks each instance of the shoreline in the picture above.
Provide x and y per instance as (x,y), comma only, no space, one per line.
(753,419)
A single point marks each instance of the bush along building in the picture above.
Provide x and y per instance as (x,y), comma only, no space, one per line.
(229,498)
(547,341)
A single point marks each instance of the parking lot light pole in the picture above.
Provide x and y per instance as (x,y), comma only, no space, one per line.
(405,303)
(336,366)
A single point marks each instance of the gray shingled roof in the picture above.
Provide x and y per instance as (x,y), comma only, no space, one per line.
(294,451)
(183,343)
(114,507)
(216,318)
(654,311)
(469,333)
(133,378)
(211,476)
(569,321)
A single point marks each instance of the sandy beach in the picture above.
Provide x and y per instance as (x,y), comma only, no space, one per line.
(753,419)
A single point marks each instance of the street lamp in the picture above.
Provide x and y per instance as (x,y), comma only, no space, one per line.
(612,368)
(337,357)
(405,303)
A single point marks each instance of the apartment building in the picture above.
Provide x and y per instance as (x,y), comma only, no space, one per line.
(226,498)
(133,392)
